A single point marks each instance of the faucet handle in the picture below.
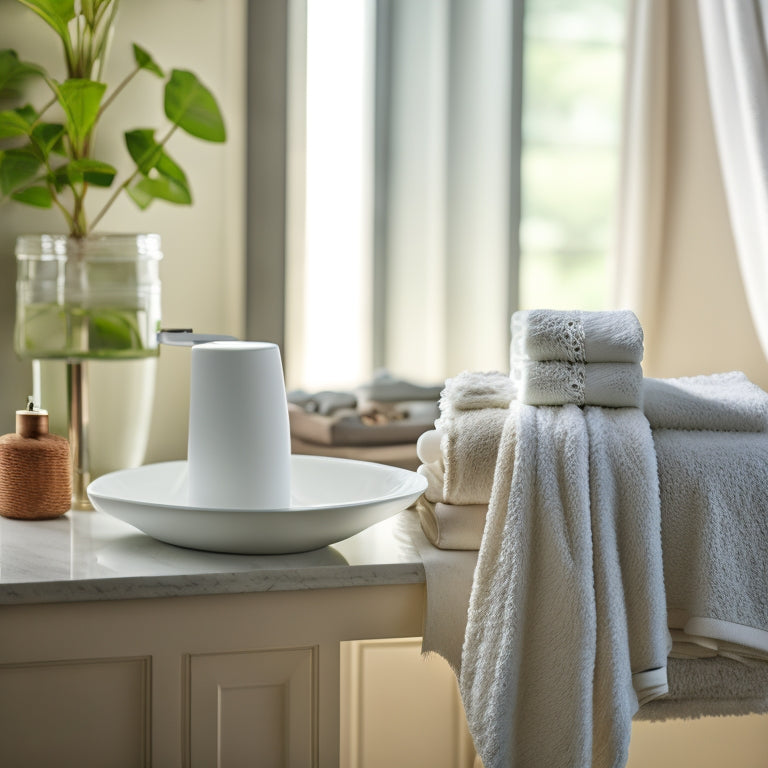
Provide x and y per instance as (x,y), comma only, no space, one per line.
(186,337)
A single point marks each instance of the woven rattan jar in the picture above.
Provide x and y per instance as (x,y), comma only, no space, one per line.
(35,470)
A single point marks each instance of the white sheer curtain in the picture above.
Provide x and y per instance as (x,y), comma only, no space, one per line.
(735,41)
(676,262)
(640,224)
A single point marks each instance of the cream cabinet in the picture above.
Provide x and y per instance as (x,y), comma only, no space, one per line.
(250,679)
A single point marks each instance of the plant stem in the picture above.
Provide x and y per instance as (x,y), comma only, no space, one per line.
(117,90)
(127,182)
(57,203)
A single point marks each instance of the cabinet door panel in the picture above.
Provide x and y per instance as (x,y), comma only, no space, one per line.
(254,708)
(75,713)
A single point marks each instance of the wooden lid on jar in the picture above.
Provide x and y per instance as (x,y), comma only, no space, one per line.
(31,423)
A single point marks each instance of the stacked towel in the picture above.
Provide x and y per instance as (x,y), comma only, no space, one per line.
(473,408)
(554,382)
(723,402)
(579,358)
(711,446)
(577,337)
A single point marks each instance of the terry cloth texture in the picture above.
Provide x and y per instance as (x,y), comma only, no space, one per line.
(576,336)
(553,382)
(708,687)
(469,444)
(727,402)
(701,686)
(473,408)
(548,636)
(451,526)
(714,489)
(472,390)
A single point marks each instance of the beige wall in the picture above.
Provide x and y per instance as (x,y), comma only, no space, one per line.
(704,325)
(203,244)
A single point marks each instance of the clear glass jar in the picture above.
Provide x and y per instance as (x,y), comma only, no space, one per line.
(93,298)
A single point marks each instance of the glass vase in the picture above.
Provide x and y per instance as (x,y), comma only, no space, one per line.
(92,301)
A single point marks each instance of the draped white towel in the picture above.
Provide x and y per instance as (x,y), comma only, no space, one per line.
(552,642)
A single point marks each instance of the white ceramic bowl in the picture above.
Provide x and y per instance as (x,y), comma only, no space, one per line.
(331,500)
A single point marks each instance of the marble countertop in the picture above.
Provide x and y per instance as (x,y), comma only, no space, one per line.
(92,556)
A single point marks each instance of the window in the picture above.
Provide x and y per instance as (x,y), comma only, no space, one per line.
(572,80)
(430,207)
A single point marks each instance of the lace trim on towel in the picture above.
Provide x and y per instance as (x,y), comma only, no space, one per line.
(576,381)
(571,330)
(549,335)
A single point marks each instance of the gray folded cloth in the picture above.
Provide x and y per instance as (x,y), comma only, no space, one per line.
(325,403)
(348,427)
(708,687)
(715,496)
(727,402)
(386,389)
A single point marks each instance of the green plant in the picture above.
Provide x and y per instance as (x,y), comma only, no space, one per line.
(51,162)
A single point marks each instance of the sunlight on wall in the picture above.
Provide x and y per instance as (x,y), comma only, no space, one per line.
(339,192)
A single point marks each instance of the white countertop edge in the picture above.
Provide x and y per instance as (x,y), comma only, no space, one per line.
(145,587)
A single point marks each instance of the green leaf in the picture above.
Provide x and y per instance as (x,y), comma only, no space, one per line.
(169,170)
(141,197)
(163,178)
(93,171)
(17,166)
(113,329)
(143,148)
(59,177)
(161,188)
(56,13)
(47,137)
(40,197)
(145,61)
(191,106)
(13,71)
(17,122)
(81,100)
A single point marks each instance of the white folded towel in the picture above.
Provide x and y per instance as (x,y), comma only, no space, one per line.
(473,409)
(577,336)
(472,390)
(612,385)
(452,526)
(723,401)
(553,640)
